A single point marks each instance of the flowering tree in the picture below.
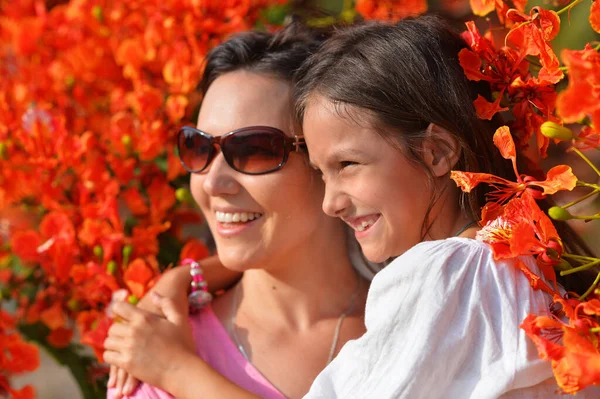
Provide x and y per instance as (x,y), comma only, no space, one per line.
(93,197)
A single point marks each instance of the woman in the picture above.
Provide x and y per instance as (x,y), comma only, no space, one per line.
(285,320)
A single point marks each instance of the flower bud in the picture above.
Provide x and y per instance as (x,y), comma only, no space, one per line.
(98,251)
(97,13)
(127,250)
(111,267)
(73,305)
(183,195)
(555,131)
(558,213)
(132,299)
(126,140)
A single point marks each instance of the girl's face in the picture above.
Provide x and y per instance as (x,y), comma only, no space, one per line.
(256,220)
(369,183)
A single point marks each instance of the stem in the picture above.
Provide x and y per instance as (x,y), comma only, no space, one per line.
(595,330)
(588,195)
(567,8)
(586,160)
(78,364)
(590,217)
(597,48)
(589,185)
(580,268)
(589,290)
(579,257)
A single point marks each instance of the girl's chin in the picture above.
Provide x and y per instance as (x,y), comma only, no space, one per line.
(376,255)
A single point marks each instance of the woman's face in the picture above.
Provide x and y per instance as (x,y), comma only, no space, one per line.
(369,183)
(256,220)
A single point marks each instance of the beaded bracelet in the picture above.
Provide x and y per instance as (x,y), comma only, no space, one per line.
(199,295)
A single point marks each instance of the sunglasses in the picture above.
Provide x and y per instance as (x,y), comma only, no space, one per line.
(253,150)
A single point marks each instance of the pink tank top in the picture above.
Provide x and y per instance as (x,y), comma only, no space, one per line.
(218,350)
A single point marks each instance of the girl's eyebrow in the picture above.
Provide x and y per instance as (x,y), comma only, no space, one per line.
(338,155)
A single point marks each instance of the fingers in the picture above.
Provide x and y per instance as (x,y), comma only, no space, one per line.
(121,378)
(131,384)
(127,311)
(112,377)
(169,308)
(119,330)
(114,344)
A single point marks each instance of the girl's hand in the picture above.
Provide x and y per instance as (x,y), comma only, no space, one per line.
(145,345)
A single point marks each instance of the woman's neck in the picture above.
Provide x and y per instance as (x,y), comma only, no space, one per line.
(316,282)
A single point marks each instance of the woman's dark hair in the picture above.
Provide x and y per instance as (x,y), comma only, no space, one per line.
(407,76)
(279,54)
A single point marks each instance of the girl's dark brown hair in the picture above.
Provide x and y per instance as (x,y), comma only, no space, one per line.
(404,77)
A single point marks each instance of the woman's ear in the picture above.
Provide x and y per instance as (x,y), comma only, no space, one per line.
(441,150)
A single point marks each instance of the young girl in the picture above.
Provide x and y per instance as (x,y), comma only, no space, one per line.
(285,320)
(387,113)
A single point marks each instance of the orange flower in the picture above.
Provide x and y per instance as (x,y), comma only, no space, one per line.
(162,198)
(521,228)
(17,356)
(54,317)
(25,243)
(576,360)
(60,337)
(135,201)
(558,178)
(595,16)
(532,34)
(139,277)
(194,249)
(582,96)
(390,10)
(94,327)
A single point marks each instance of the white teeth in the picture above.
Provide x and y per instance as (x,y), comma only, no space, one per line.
(365,224)
(236,217)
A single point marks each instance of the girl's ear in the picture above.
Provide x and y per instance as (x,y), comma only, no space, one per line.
(441,150)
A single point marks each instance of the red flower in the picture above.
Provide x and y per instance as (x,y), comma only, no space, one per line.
(558,178)
(595,16)
(532,34)
(582,97)
(572,348)
(390,10)
(139,277)
(194,249)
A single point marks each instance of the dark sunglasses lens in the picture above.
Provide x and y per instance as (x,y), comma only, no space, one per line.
(255,151)
(194,149)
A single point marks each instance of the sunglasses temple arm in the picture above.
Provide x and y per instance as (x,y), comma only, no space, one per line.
(298,142)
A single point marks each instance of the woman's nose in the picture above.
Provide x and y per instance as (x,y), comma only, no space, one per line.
(220,178)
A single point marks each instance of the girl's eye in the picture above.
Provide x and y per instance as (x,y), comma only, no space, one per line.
(344,164)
